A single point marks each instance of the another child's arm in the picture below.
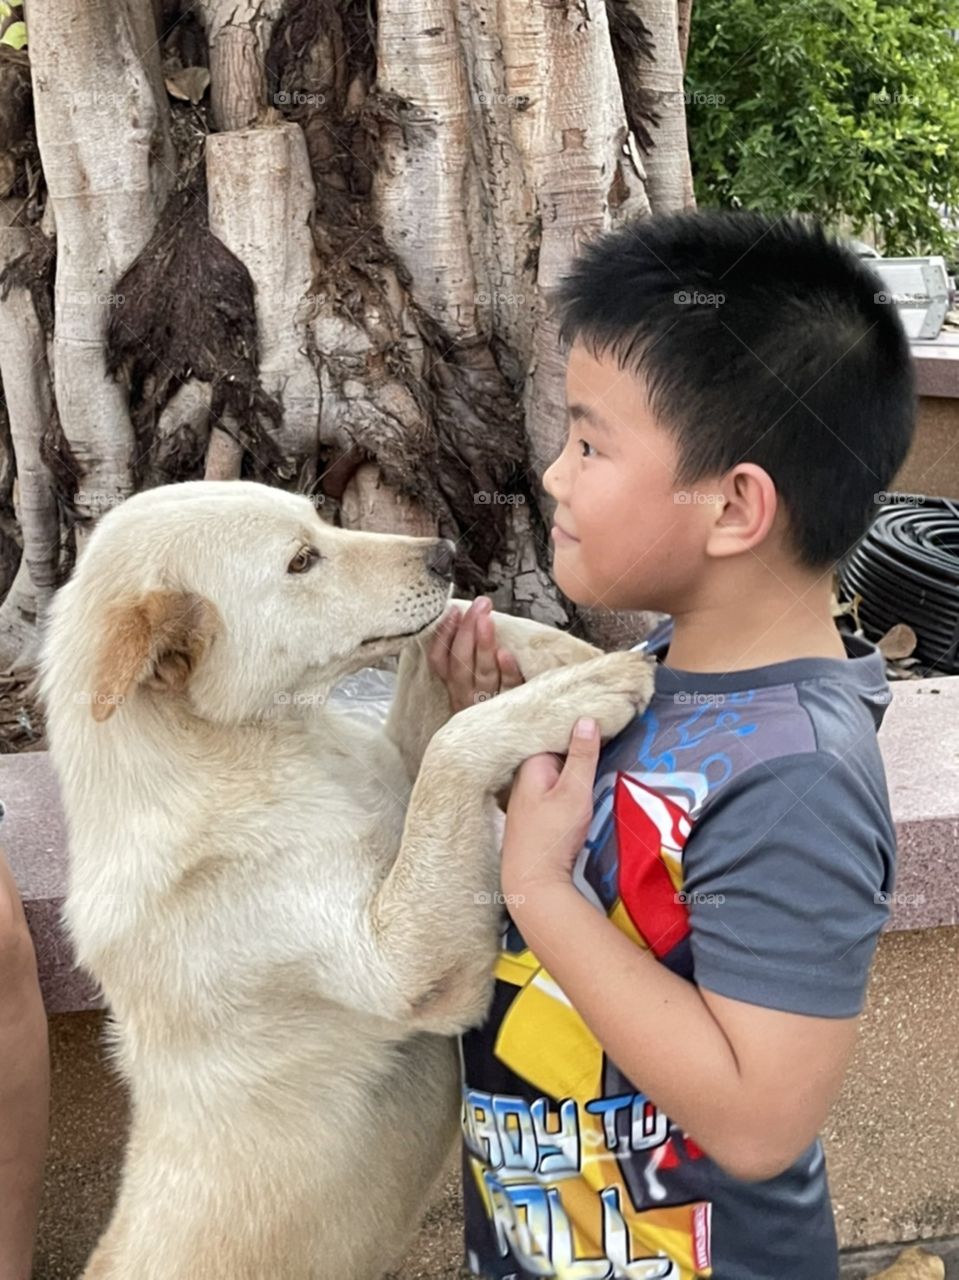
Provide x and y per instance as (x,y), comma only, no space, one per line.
(24,1086)
(752,1085)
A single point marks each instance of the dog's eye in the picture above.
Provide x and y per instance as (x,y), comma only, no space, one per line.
(304,559)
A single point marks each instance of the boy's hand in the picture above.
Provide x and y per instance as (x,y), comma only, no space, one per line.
(549,813)
(463,654)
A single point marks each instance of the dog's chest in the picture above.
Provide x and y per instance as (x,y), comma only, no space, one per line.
(359,776)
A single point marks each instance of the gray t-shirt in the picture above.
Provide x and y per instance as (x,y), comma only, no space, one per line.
(742,832)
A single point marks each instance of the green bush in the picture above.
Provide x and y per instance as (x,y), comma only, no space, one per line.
(849,111)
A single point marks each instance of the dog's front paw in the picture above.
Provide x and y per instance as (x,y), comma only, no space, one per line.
(491,739)
(612,688)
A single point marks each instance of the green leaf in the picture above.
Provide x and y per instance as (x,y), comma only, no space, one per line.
(853,117)
(15,35)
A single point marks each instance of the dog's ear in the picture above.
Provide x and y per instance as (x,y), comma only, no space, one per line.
(156,640)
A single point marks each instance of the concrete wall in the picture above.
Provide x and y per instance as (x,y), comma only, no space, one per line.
(890,1142)
(892,1138)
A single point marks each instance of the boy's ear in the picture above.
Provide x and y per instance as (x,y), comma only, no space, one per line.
(156,640)
(747,512)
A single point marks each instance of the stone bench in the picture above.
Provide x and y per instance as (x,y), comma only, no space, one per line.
(920,746)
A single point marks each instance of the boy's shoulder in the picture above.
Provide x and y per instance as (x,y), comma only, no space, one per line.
(763,793)
(811,713)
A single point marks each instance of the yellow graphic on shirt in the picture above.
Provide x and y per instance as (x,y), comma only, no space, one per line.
(548,1172)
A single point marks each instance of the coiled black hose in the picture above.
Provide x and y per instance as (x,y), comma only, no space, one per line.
(906,568)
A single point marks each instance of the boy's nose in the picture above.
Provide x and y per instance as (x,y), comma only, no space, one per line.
(549,478)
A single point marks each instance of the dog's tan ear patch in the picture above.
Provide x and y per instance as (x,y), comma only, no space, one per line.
(156,640)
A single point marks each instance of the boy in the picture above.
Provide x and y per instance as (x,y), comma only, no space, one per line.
(24,1085)
(694,908)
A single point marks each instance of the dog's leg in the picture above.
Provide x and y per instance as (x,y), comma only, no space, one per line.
(434,921)
(105,1263)
(421,704)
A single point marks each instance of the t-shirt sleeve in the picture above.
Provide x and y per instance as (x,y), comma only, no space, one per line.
(787,877)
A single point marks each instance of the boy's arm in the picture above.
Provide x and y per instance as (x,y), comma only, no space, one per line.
(751,1085)
(749,1060)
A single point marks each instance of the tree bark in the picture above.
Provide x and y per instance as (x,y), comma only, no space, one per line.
(684,20)
(29,398)
(335,270)
(260,202)
(669,176)
(107,164)
(238,34)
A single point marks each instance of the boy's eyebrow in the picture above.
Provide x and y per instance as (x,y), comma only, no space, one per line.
(580,411)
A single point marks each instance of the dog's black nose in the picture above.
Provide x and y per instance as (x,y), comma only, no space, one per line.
(440,559)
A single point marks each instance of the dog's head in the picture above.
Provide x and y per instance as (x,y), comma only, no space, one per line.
(238,597)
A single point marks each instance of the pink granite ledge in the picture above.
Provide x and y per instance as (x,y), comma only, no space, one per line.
(937,364)
(34,838)
(919,741)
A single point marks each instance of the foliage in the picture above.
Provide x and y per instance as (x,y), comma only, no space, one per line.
(847,110)
(12,27)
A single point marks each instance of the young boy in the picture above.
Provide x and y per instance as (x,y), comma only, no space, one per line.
(694,908)
(24,1085)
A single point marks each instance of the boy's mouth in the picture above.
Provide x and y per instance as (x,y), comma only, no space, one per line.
(560,536)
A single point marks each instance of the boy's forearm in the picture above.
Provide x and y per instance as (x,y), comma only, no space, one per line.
(654,1024)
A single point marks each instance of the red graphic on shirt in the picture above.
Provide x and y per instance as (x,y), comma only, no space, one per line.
(648,825)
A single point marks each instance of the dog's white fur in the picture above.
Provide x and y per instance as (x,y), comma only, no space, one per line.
(286,908)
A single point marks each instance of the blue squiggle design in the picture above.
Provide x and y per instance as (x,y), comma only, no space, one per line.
(705,724)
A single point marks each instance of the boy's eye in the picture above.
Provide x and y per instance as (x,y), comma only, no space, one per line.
(587,445)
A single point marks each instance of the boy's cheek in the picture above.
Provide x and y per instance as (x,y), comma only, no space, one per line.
(571,578)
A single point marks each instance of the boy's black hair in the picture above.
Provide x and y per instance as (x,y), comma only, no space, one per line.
(758,339)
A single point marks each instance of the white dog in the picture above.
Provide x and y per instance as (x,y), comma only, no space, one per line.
(286,907)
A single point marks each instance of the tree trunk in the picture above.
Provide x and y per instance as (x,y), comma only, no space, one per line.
(303,244)
(29,400)
(108,166)
(683,25)
(669,176)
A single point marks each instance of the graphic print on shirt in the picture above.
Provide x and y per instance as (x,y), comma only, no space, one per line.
(584,1180)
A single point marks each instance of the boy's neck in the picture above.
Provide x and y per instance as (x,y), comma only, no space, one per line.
(756,629)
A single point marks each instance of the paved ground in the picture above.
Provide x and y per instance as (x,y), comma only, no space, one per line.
(436,1252)
(88,1128)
